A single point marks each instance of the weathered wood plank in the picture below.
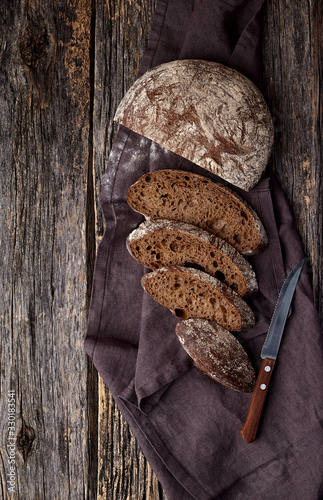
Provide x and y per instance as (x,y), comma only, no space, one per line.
(292,55)
(121,33)
(124,473)
(45,96)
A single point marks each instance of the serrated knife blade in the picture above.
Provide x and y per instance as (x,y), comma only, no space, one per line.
(276,328)
(269,353)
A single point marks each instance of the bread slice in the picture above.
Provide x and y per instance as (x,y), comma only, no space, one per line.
(216,352)
(163,243)
(205,112)
(190,293)
(188,197)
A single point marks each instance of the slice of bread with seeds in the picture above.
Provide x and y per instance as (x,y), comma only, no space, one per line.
(163,243)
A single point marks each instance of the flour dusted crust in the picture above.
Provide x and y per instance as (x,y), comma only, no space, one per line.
(162,242)
(216,352)
(190,293)
(205,112)
(195,199)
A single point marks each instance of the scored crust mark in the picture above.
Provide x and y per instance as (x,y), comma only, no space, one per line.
(205,112)
(163,243)
(190,293)
(195,199)
(217,353)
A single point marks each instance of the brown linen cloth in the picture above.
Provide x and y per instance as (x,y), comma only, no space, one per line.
(187,425)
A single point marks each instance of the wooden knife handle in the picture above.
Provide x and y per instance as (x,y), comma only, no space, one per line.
(250,428)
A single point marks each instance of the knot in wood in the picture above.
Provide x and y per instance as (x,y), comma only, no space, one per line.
(34,44)
(25,439)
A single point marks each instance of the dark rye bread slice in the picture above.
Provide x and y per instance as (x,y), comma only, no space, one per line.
(217,353)
(188,197)
(190,293)
(205,112)
(163,243)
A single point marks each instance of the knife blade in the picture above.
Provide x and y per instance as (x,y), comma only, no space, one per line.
(269,353)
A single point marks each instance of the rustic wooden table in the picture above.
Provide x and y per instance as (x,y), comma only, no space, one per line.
(65,65)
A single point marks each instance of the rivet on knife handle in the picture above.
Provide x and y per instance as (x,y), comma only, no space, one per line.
(250,428)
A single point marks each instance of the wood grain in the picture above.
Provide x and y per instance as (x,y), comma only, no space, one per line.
(65,65)
(250,427)
(292,63)
(45,96)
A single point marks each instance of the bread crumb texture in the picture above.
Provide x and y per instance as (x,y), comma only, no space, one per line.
(183,196)
(163,243)
(190,293)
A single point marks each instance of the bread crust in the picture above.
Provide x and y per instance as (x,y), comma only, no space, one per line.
(217,353)
(205,112)
(155,242)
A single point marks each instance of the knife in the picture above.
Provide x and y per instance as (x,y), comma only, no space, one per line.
(269,353)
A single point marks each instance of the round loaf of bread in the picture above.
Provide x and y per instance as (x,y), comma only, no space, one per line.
(163,243)
(188,197)
(205,112)
(216,352)
(190,293)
